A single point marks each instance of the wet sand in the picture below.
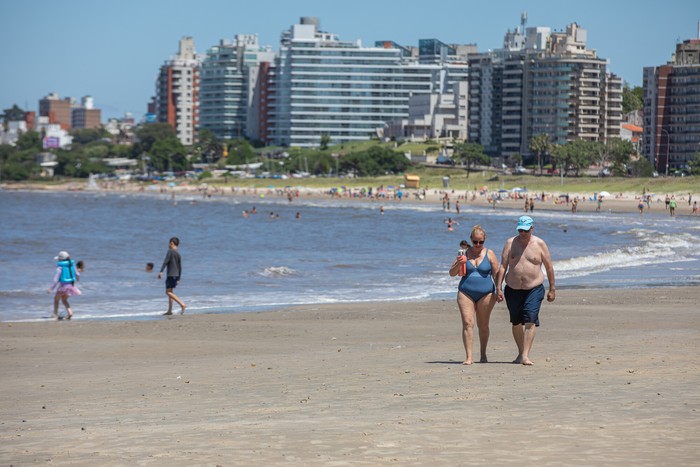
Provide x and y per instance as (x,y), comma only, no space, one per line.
(615,382)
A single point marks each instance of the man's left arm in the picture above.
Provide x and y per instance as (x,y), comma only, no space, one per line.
(549,268)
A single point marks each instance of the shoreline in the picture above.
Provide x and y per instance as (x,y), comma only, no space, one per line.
(370,383)
(620,203)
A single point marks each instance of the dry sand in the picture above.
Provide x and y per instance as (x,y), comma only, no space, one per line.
(616,203)
(615,382)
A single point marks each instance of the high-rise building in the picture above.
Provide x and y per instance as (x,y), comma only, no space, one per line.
(321,85)
(672,109)
(541,82)
(229,87)
(57,110)
(86,115)
(177,88)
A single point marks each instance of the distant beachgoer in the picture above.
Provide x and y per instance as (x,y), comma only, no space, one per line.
(475,293)
(640,206)
(600,202)
(253,211)
(381,210)
(695,209)
(297,215)
(574,205)
(149,267)
(173,263)
(672,206)
(450,224)
(64,282)
(245,214)
(457,206)
(532,204)
(521,266)
(80,266)
(527,205)
(668,201)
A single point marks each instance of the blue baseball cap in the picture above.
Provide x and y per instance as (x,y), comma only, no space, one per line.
(525,223)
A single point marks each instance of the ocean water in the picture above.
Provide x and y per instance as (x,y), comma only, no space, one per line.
(338,251)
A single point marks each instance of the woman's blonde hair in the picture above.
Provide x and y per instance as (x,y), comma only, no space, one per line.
(477,229)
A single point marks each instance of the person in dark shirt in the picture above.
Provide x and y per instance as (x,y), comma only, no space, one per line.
(173,263)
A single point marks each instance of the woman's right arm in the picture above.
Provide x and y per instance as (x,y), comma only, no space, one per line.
(454,269)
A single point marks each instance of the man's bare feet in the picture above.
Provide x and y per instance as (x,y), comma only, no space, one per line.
(484,359)
(69,316)
(182,312)
(167,313)
(519,359)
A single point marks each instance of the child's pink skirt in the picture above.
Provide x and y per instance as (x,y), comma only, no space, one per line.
(68,290)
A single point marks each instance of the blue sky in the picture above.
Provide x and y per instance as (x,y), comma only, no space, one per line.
(112,50)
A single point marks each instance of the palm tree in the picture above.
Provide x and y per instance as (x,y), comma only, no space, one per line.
(540,146)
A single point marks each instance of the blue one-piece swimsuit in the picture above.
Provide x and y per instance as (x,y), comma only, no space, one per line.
(478,282)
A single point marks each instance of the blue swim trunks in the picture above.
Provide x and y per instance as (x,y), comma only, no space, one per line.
(524,305)
(171,282)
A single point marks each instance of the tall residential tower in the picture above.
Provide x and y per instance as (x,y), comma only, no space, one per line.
(541,82)
(672,109)
(177,92)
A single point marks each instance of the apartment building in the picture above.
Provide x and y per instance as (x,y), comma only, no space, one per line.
(541,82)
(671,109)
(229,87)
(56,110)
(86,115)
(319,85)
(177,92)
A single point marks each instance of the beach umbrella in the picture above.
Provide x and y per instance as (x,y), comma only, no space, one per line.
(517,189)
(603,193)
(503,191)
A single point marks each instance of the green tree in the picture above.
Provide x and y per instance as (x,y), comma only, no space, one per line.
(516,159)
(29,140)
(631,98)
(470,154)
(694,164)
(240,152)
(574,155)
(641,168)
(325,141)
(540,146)
(620,153)
(13,114)
(148,134)
(207,146)
(168,154)
(89,135)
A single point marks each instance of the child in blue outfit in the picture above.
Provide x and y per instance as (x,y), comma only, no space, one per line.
(64,282)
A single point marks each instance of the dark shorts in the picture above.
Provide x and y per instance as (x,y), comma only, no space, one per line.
(171,282)
(524,305)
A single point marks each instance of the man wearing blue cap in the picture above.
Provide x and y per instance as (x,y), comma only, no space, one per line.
(521,266)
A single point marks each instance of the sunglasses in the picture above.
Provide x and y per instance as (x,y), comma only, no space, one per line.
(478,242)
(523,230)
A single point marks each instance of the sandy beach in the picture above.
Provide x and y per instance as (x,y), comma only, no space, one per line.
(614,383)
(616,202)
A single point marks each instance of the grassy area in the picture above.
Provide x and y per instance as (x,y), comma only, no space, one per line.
(431,178)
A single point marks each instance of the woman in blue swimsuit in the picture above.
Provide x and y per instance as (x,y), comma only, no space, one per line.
(476,292)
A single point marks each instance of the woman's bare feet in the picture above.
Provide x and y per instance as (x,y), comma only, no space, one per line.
(467,362)
(168,313)
(182,312)
(527,362)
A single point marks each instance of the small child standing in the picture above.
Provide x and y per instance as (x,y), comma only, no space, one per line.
(173,262)
(66,276)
